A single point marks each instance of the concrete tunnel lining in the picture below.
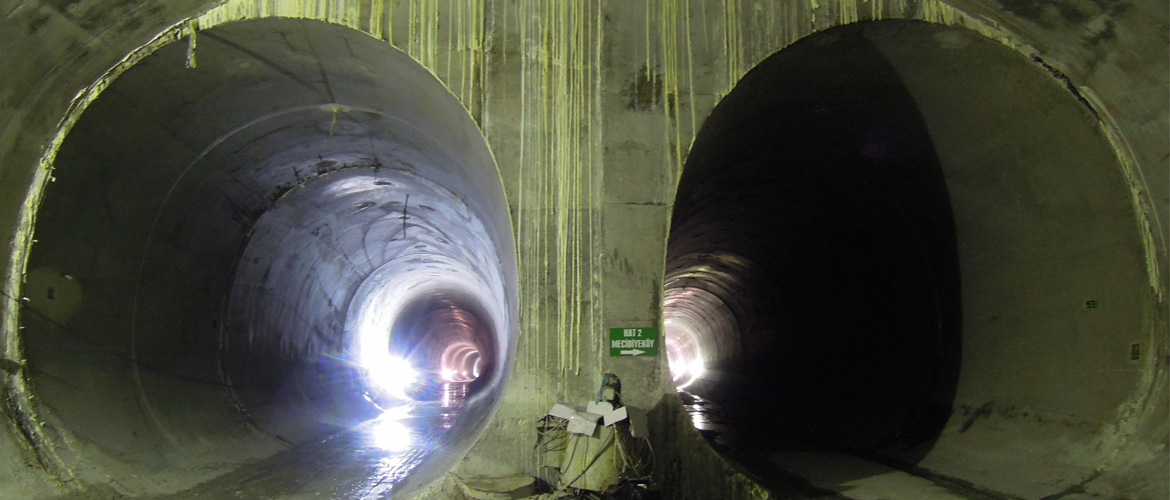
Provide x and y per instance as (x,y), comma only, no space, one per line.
(1043,223)
(814,191)
(209,228)
(1124,80)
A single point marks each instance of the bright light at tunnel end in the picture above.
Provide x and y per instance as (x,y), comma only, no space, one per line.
(683,356)
(395,370)
(685,373)
(389,373)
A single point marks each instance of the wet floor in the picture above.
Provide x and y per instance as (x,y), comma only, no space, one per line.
(709,419)
(819,474)
(368,461)
(365,462)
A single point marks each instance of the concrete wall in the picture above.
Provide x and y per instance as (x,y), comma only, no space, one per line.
(590,109)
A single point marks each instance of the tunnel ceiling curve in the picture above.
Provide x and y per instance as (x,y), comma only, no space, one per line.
(224,246)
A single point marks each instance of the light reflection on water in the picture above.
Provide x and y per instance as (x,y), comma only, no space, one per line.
(365,462)
(453,395)
(390,435)
(707,416)
(387,472)
(710,420)
(406,435)
(699,409)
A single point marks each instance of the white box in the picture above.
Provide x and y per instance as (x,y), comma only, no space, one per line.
(600,408)
(615,416)
(563,411)
(582,426)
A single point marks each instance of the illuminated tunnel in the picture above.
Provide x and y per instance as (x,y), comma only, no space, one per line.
(303,229)
(888,224)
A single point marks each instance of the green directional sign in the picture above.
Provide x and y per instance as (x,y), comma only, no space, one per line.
(633,341)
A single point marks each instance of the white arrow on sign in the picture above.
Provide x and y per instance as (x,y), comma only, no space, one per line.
(632,352)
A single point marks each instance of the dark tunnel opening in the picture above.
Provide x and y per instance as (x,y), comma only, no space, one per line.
(812,288)
(296,236)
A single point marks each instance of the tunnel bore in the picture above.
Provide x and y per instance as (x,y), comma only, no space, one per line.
(887,241)
(812,287)
(301,231)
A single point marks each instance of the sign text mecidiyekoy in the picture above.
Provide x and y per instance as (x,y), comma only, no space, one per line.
(633,341)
